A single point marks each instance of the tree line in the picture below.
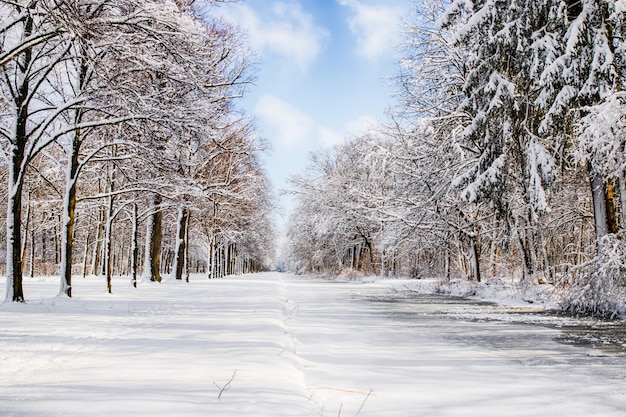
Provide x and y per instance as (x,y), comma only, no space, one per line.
(504,155)
(121,135)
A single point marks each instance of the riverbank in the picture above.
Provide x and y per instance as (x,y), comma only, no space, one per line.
(496,290)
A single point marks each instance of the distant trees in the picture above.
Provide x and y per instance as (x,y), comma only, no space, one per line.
(134,99)
(505,155)
(335,223)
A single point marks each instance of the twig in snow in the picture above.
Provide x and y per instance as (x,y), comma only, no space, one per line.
(226,386)
(363,403)
(291,313)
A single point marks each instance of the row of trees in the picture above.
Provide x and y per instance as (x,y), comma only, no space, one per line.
(505,155)
(115,114)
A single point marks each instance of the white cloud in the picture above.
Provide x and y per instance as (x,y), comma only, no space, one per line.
(377,28)
(289,125)
(289,33)
(328,137)
(361,125)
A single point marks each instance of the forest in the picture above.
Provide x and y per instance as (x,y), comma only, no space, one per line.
(504,156)
(124,149)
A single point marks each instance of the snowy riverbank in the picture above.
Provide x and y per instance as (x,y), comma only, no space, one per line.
(279,345)
(506,292)
(495,290)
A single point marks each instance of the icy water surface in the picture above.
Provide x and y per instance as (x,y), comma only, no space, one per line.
(405,354)
(607,336)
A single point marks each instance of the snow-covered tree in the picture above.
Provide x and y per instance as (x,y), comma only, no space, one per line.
(37,37)
(581,88)
(112,90)
(508,161)
(583,49)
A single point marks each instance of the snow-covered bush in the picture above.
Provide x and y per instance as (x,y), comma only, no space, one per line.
(599,286)
(457,287)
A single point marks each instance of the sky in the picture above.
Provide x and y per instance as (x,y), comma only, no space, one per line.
(323,72)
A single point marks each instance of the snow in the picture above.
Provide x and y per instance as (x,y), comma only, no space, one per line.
(278,345)
(503,90)
(488,177)
(475,19)
(500,291)
(541,168)
(602,135)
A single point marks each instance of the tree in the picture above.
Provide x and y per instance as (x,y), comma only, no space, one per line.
(427,135)
(508,158)
(112,88)
(36,39)
(85,76)
(581,89)
(584,53)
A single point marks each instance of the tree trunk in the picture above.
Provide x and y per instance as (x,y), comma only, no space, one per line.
(86,247)
(147,263)
(166,261)
(622,195)
(611,218)
(32,253)
(26,231)
(211,257)
(218,260)
(57,243)
(154,238)
(228,260)
(180,255)
(17,148)
(359,263)
(72,171)
(524,257)
(371,251)
(69,218)
(220,254)
(531,253)
(599,206)
(475,258)
(493,248)
(14,290)
(134,250)
(187,261)
(446,264)
(97,247)
(108,237)
(44,239)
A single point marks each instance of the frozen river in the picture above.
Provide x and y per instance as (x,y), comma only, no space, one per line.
(277,345)
(404,354)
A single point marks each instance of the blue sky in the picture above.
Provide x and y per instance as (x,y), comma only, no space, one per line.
(323,72)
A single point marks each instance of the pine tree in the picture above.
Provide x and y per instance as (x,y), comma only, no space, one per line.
(507,161)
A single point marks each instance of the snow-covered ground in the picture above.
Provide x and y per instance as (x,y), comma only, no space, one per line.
(279,345)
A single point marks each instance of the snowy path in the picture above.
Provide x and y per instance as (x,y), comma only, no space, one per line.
(292,347)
